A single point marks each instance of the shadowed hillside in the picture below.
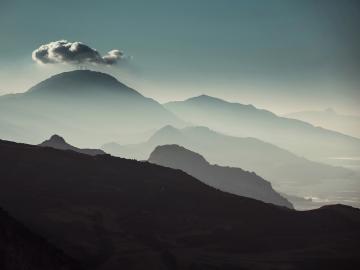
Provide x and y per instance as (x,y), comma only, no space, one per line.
(229,179)
(21,249)
(113,213)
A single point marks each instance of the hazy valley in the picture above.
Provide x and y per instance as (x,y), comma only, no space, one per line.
(63,103)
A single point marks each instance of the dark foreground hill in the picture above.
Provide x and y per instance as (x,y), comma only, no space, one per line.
(21,249)
(57,142)
(229,179)
(113,213)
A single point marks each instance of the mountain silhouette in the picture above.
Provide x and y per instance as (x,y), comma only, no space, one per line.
(81,82)
(58,142)
(20,248)
(329,118)
(87,107)
(287,172)
(241,120)
(229,179)
(112,213)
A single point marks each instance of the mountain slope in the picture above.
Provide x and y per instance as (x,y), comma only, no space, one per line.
(287,172)
(22,249)
(58,142)
(267,160)
(329,118)
(247,121)
(112,213)
(85,106)
(229,179)
(80,82)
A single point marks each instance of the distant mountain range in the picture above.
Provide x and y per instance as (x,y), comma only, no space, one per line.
(237,119)
(21,249)
(87,106)
(112,213)
(329,118)
(282,168)
(229,179)
(58,142)
(92,108)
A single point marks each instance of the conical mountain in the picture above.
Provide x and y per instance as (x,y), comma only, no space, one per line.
(81,82)
(87,107)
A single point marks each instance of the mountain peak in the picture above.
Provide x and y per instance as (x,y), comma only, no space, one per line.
(80,80)
(59,142)
(213,101)
(206,98)
(181,154)
(168,128)
(229,179)
(57,139)
(165,133)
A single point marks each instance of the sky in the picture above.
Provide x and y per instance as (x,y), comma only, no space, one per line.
(281,55)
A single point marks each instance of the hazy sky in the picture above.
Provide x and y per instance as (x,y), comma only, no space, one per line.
(282,55)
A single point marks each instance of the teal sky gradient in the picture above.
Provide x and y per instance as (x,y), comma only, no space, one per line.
(281,55)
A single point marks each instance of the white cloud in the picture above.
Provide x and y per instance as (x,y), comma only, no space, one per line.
(62,51)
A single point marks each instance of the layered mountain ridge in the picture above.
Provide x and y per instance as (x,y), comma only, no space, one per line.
(229,179)
(112,213)
(242,120)
(269,161)
(86,106)
(288,173)
(329,118)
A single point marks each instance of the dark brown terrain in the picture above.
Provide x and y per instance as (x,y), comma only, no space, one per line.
(114,213)
(21,249)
